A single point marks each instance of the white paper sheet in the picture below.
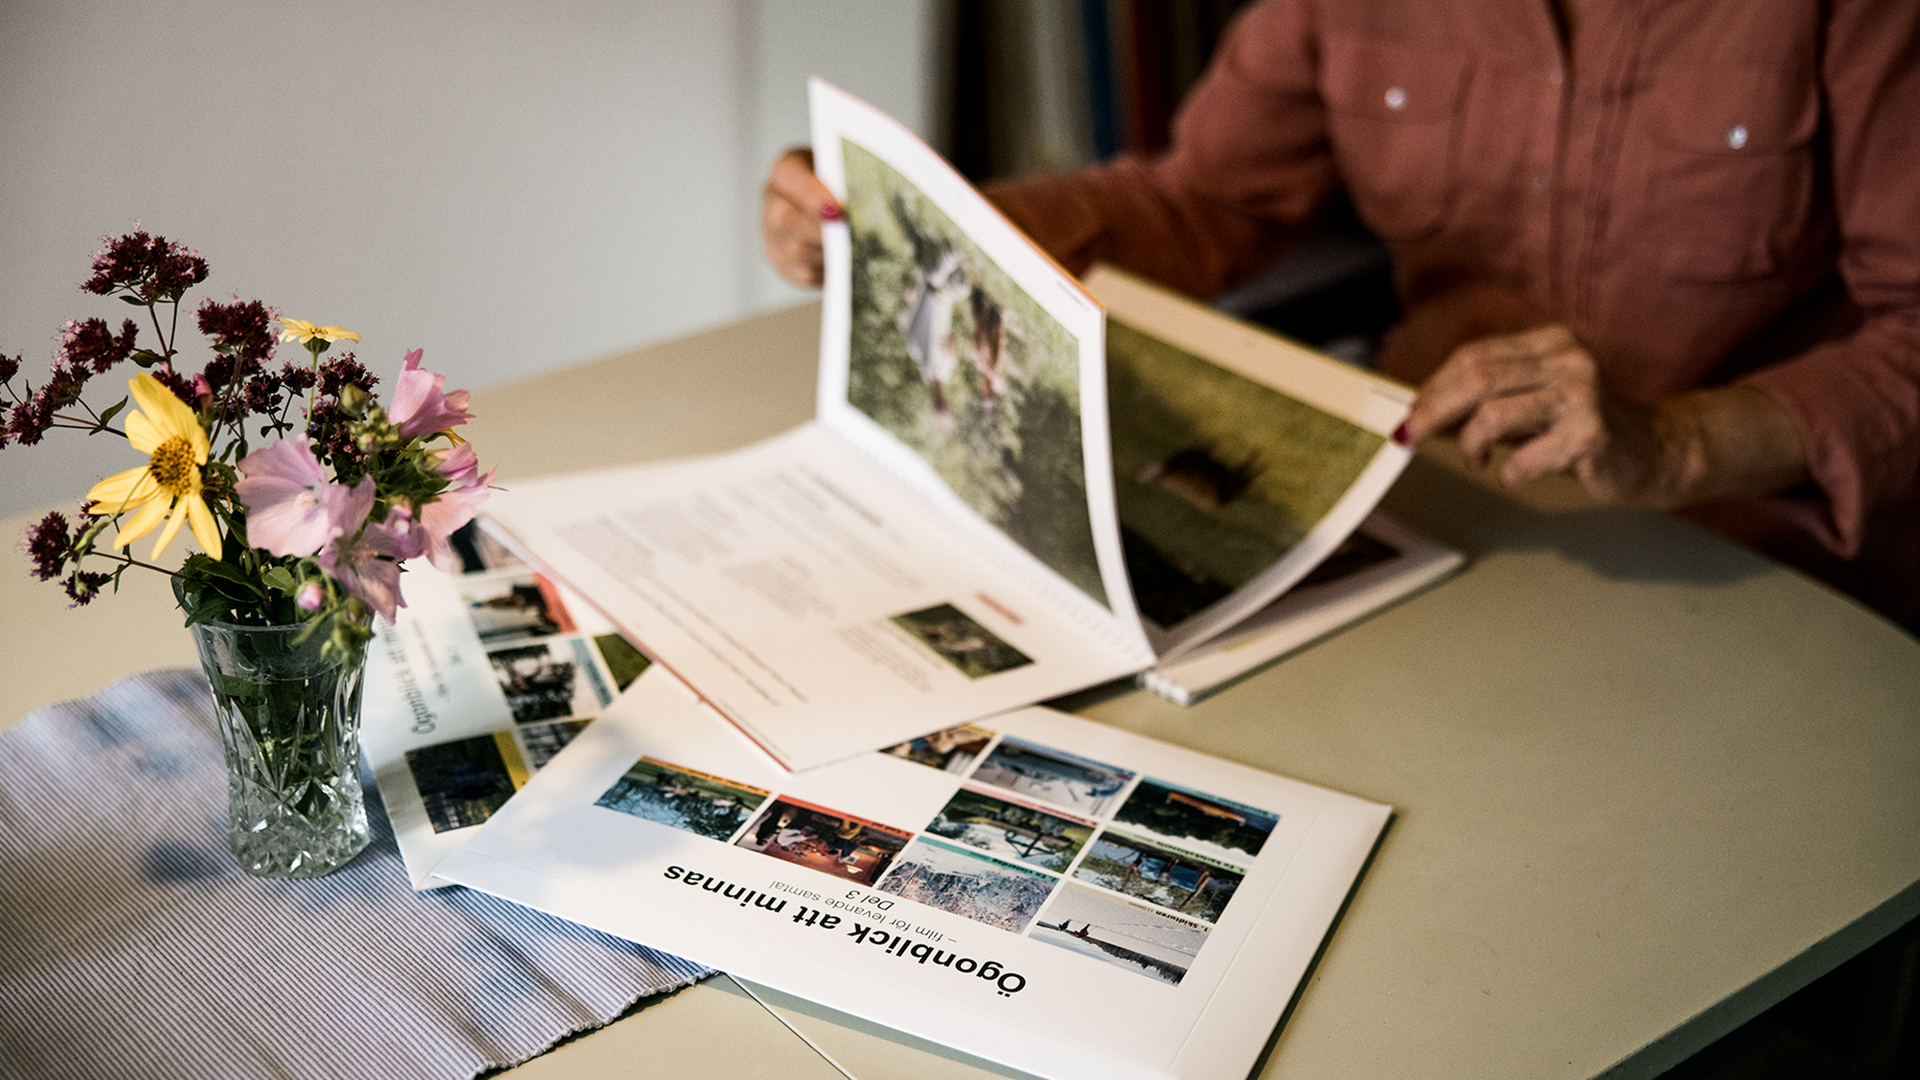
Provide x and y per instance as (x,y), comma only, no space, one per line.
(1040,890)
(813,599)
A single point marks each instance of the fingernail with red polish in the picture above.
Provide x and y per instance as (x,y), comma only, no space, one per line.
(831,212)
(1400,436)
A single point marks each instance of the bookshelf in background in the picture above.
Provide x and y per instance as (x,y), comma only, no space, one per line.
(1051,85)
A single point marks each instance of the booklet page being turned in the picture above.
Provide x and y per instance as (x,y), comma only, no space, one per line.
(1036,889)
(956,353)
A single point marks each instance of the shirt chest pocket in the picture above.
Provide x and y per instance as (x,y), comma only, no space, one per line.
(1730,170)
(1391,119)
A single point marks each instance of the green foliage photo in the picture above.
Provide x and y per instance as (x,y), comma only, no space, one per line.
(963,367)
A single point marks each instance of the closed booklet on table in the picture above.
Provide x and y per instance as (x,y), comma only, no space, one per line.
(1038,890)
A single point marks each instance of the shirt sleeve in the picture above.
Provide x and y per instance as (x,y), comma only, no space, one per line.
(1856,400)
(1248,166)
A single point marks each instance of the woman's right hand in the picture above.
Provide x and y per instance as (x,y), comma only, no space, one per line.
(792,206)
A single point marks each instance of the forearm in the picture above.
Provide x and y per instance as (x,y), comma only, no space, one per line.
(1723,443)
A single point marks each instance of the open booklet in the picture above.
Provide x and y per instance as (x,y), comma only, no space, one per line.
(1039,890)
(958,531)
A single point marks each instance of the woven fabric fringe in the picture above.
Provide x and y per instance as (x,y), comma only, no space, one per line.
(131,944)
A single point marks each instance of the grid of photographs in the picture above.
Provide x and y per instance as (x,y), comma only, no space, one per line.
(555,678)
(1126,870)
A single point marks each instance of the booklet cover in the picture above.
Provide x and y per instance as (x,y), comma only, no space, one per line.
(1042,891)
(961,530)
(484,677)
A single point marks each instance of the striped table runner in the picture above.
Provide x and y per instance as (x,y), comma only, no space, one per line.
(131,945)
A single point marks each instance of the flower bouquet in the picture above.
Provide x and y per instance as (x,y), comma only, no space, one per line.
(305,496)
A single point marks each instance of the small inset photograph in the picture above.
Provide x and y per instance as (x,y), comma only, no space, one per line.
(957,639)
(624,662)
(539,742)
(553,679)
(1192,885)
(1009,830)
(969,884)
(686,799)
(514,606)
(1083,786)
(1119,932)
(464,781)
(952,750)
(1195,821)
(848,847)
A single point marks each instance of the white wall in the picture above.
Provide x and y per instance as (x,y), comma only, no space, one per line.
(511,186)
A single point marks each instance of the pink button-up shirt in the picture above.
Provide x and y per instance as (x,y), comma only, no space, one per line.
(1703,190)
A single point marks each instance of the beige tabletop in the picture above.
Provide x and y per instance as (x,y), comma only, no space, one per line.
(1647,784)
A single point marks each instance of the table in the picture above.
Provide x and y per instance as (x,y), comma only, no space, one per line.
(1648,783)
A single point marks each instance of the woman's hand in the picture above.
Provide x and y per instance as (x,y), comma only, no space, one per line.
(1541,393)
(792,206)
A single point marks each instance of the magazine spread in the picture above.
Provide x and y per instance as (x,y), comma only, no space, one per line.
(955,533)
(1042,891)
(482,679)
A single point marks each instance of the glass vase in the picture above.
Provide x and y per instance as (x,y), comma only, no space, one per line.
(290,721)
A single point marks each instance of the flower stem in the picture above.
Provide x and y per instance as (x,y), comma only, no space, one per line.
(128,560)
(84,424)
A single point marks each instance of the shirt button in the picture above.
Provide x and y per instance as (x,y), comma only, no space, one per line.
(1540,183)
(1737,136)
(1555,77)
(1396,98)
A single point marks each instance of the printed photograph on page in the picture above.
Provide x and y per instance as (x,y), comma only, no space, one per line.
(1216,477)
(964,368)
(1119,932)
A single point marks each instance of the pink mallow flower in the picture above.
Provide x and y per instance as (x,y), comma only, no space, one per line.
(419,408)
(288,499)
(366,560)
(455,505)
(310,597)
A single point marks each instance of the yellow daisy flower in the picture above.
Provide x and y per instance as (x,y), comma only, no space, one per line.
(167,487)
(302,331)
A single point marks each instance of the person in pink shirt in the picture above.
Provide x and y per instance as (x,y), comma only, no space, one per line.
(1671,249)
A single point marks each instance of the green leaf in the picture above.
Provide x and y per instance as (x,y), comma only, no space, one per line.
(280,579)
(107,417)
(134,300)
(146,358)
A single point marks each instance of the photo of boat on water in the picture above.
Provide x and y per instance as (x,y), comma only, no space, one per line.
(1126,935)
